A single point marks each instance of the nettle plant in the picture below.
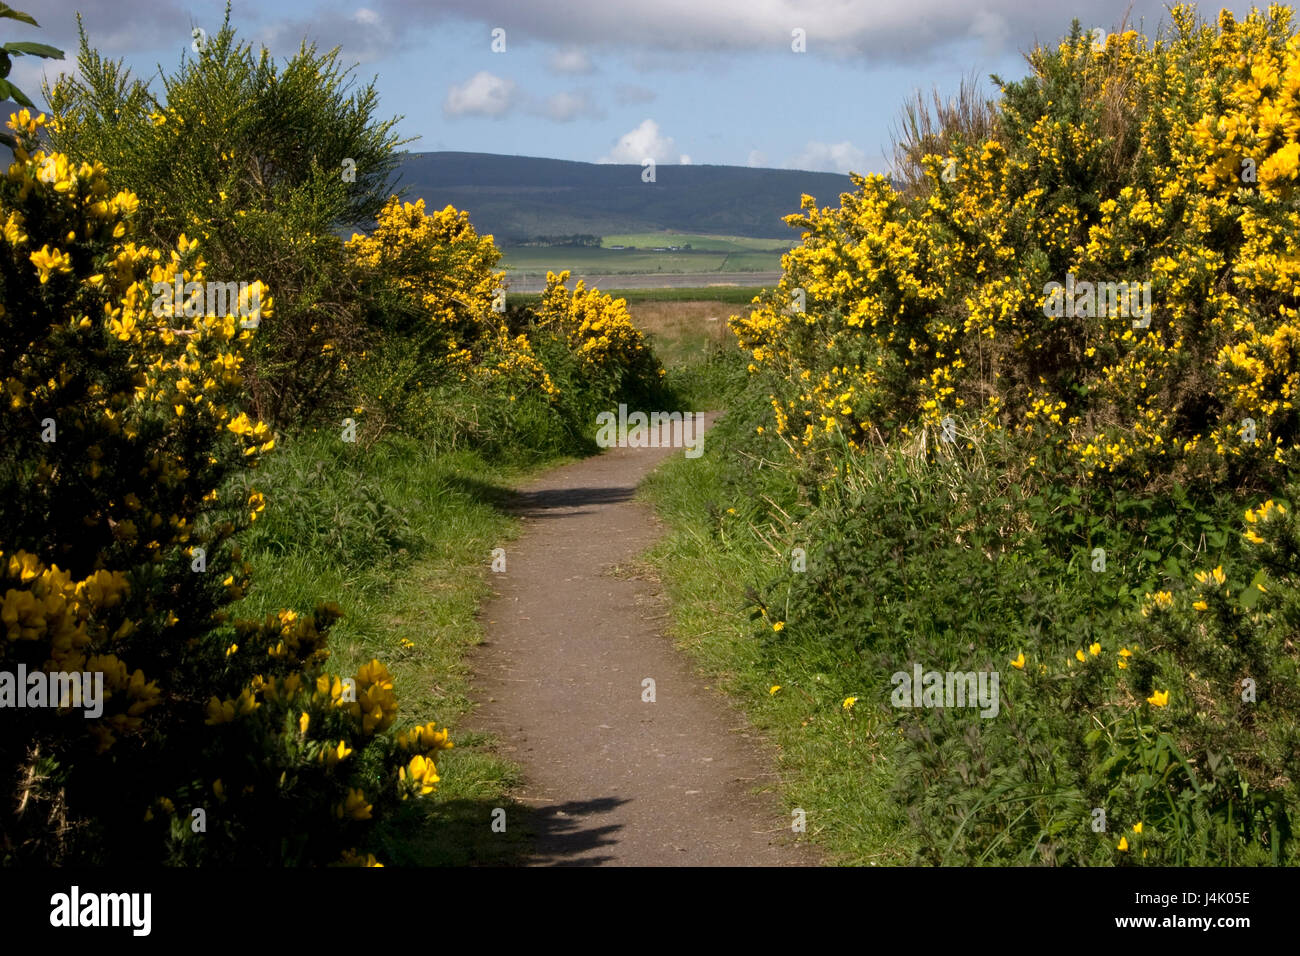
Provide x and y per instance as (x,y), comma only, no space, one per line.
(219,740)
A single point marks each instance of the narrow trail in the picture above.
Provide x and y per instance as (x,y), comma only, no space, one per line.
(613,779)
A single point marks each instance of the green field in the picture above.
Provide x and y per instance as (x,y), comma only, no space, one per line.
(728,294)
(707,254)
(649,240)
(538,260)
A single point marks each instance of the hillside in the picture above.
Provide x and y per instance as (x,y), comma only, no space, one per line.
(518,197)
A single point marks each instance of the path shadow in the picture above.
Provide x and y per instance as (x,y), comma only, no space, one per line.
(498,496)
(537,504)
(542,504)
(563,830)
(460,832)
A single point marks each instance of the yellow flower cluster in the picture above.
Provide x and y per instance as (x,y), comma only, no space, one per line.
(904,309)
(70,618)
(449,271)
(1261,515)
(376,704)
(1160,601)
(1255,137)
(598,328)
(124,415)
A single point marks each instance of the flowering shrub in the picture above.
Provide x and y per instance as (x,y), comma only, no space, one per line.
(1107,517)
(264,161)
(599,332)
(219,739)
(1172,164)
(451,360)
(444,269)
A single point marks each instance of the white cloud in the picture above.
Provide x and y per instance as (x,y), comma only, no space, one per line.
(897,32)
(571,60)
(483,94)
(563,107)
(829,158)
(686,159)
(365,35)
(486,94)
(756,158)
(644,142)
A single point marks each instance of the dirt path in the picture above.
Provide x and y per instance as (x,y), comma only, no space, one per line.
(613,779)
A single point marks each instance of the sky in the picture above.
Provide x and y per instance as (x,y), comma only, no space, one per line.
(816,85)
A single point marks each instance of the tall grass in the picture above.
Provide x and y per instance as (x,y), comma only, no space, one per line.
(401,536)
(727,531)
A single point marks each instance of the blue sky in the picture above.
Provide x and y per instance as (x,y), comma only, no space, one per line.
(702,81)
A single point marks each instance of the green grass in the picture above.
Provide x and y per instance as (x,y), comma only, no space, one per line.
(648,240)
(751,262)
(832,762)
(537,260)
(401,539)
(908,561)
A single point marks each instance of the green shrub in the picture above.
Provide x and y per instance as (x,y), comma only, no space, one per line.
(253,160)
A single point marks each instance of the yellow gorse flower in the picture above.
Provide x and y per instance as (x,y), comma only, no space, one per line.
(49,262)
(421,773)
(354,806)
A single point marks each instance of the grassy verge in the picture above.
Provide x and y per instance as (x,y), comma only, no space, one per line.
(1108,640)
(401,538)
(830,759)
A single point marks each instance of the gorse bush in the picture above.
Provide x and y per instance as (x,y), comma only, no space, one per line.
(443,271)
(986,478)
(452,363)
(135,431)
(123,435)
(1170,163)
(611,351)
(265,164)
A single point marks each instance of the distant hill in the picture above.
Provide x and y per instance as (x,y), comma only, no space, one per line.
(515,198)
